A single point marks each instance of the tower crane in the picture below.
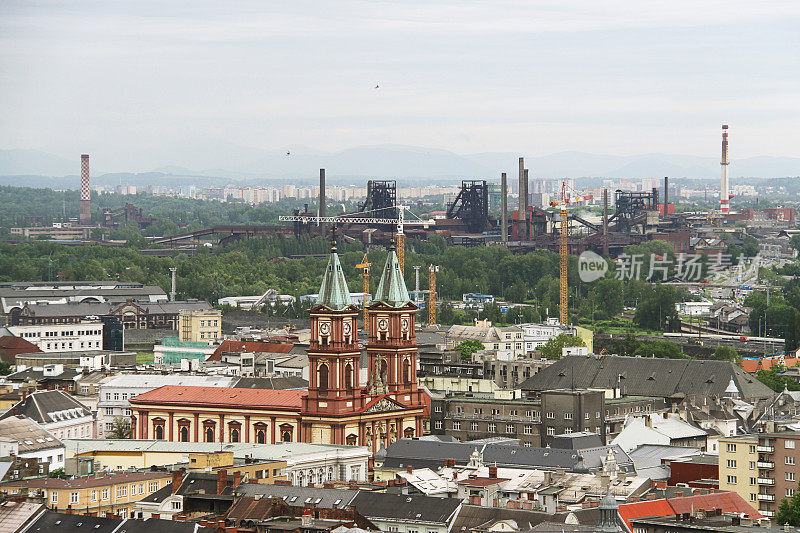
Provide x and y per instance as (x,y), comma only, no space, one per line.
(400,222)
(563,247)
(364,266)
(432,270)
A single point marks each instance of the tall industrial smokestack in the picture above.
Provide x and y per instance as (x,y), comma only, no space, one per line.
(724,193)
(172,292)
(522,188)
(86,193)
(527,226)
(666,193)
(605,222)
(322,196)
(504,207)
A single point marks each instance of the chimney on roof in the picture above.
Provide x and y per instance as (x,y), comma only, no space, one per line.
(177,479)
(237,479)
(222,480)
(493,472)
(409,469)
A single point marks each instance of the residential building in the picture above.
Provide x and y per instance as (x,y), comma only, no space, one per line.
(89,359)
(510,374)
(85,335)
(56,412)
(24,438)
(96,495)
(304,463)
(506,342)
(666,429)
(47,377)
(200,325)
(771,471)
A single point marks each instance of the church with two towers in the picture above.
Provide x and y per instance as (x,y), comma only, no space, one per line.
(340,406)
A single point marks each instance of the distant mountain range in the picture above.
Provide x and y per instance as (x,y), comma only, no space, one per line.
(406,163)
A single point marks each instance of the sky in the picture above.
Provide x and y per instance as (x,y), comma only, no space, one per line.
(150,83)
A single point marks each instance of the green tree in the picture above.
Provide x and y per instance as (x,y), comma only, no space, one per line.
(446,315)
(554,347)
(773,379)
(467,348)
(726,353)
(59,473)
(656,310)
(5,368)
(789,510)
(120,429)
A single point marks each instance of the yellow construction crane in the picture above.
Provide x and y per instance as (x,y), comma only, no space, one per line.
(401,248)
(563,312)
(432,270)
(364,266)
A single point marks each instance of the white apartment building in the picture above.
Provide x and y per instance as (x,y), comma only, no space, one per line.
(114,394)
(86,335)
(537,335)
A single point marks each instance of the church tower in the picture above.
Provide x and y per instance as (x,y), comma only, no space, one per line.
(392,346)
(333,354)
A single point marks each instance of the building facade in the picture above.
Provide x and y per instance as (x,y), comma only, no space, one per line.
(85,335)
(202,325)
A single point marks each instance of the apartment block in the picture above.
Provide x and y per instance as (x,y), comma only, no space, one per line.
(85,335)
(738,466)
(200,325)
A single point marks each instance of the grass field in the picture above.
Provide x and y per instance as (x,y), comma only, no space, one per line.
(144,357)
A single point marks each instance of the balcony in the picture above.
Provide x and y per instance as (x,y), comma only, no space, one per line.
(766,497)
(765,449)
(766,464)
(766,481)
(768,514)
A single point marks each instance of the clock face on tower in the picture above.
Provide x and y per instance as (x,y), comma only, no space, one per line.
(346,328)
(324,328)
(383,324)
(404,324)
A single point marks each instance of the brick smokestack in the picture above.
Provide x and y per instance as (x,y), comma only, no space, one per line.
(222,480)
(177,479)
(86,192)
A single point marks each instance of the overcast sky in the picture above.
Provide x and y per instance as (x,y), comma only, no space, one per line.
(132,79)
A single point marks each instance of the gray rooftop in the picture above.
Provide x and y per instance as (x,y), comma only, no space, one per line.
(645,376)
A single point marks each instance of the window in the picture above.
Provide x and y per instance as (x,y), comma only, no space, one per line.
(122,490)
(551,415)
(437,409)
(116,396)
(529,413)
(730,447)
(789,493)
(731,463)
(788,444)
(509,428)
(94,496)
(492,427)
(753,497)
(54,497)
(789,460)
(73,497)
(597,415)
(152,486)
(104,494)
(437,424)
(753,481)
(752,448)
(567,416)
(789,476)
(456,425)
(752,465)
(551,431)
(176,506)
(528,430)
(588,416)
(473,426)
(731,480)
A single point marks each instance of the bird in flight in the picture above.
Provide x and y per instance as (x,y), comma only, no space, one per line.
(377,86)
(287,152)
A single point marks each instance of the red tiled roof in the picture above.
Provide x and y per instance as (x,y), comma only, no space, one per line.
(482,481)
(249,346)
(10,346)
(222,397)
(729,502)
(754,365)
